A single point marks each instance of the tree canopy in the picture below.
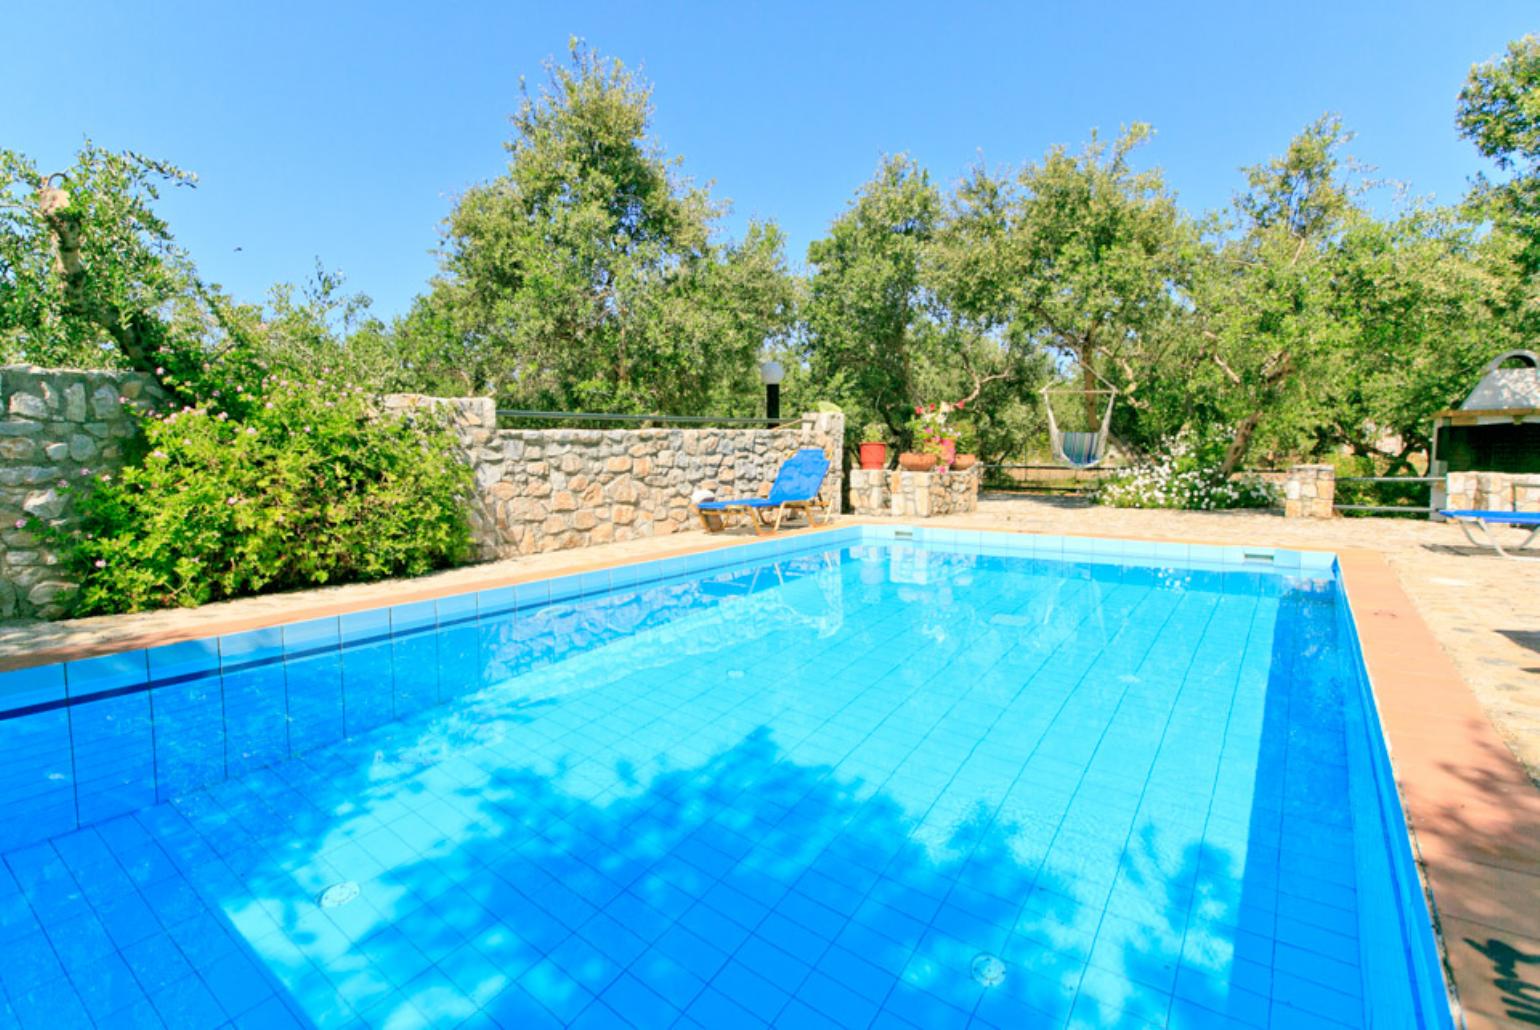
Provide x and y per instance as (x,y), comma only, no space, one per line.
(591,275)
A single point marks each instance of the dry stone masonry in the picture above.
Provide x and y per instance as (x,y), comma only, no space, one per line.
(913,495)
(1488,491)
(552,489)
(56,428)
(1309,492)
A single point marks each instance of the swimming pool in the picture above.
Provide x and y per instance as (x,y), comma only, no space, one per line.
(868,777)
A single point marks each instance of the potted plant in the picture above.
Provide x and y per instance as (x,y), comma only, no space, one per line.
(924,457)
(931,429)
(874,446)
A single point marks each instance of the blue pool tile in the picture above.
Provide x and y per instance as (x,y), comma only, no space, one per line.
(496,602)
(414,660)
(640,1004)
(37,777)
(459,658)
(37,685)
(114,756)
(368,671)
(712,1008)
(316,705)
(190,731)
(558,589)
(256,718)
(188,1003)
(120,671)
(556,989)
(53,1004)
(188,658)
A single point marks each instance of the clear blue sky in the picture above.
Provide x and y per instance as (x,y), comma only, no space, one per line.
(344,130)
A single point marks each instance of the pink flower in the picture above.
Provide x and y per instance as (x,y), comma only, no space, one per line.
(106,478)
(232,501)
(21,523)
(85,472)
(101,563)
(160,371)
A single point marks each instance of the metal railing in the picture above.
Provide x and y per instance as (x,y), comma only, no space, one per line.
(1399,509)
(531,415)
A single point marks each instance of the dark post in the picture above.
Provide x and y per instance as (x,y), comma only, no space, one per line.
(771,373)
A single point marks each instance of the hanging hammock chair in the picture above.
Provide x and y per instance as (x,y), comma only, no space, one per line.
(1079,450)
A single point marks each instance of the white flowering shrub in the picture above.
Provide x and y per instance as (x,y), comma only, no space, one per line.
(1183,476)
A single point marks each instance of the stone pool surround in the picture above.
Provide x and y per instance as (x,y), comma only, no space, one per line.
(1472,811)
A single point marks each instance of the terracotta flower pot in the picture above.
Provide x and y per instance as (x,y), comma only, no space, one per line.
(874,455)
(912,461)
(964,461)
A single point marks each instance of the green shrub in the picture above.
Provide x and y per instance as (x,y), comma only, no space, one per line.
(1184,475)
(313,486)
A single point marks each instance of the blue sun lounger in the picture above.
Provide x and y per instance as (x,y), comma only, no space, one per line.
(795,488)
(1485,520)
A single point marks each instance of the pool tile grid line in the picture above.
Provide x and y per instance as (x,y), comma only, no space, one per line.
(795,885)
(910,954)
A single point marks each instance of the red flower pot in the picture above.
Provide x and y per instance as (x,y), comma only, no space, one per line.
(874,455)
(912,461)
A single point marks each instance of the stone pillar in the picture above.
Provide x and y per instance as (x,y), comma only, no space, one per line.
(913,495)
(869,491)
(1526,493)
(1309,491)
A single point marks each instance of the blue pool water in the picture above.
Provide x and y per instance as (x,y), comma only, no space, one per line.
(847,780)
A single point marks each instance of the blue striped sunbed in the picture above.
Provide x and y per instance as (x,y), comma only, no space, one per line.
(795,488)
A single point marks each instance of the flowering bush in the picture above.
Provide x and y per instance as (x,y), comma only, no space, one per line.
(1184,476)
(312,486)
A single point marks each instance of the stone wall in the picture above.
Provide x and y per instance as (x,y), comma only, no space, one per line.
(552,489)
(914,495)
(56,427)
(1309,491)
(1488,491)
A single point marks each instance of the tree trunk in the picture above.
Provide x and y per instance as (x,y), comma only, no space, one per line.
(1088,380)
(1242,440)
